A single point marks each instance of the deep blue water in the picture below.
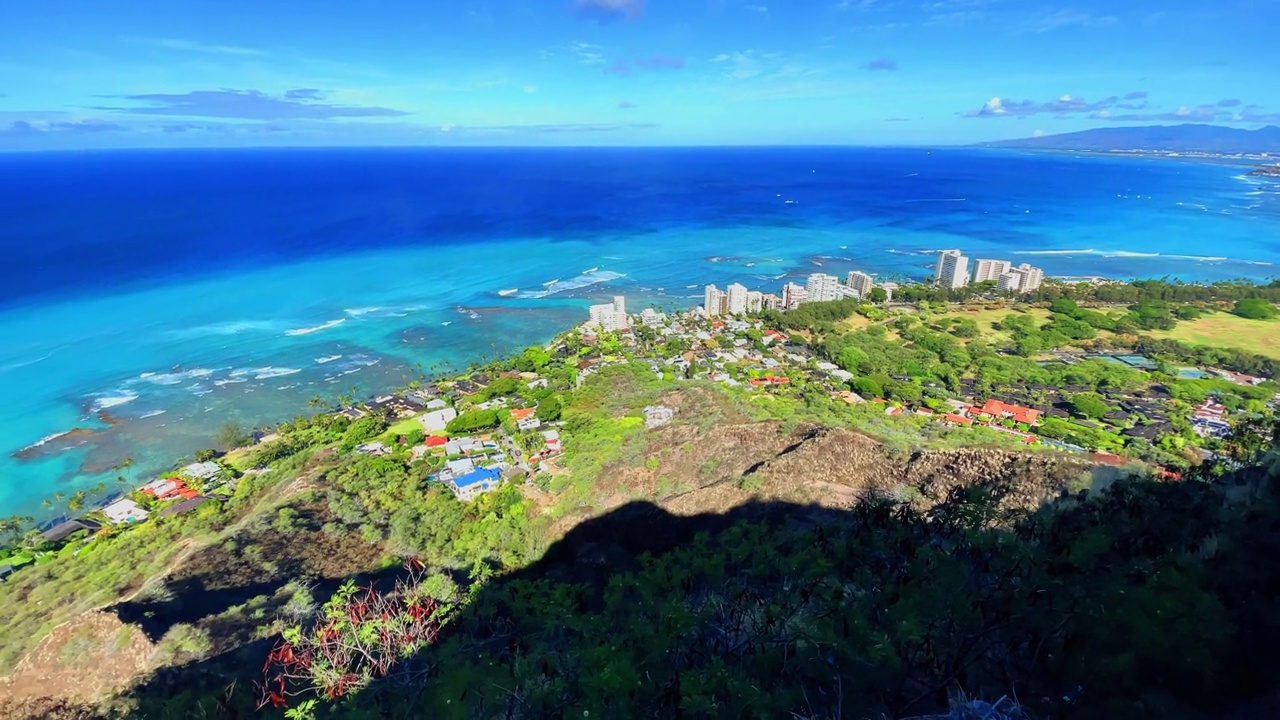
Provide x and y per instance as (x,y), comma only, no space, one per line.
(180,289)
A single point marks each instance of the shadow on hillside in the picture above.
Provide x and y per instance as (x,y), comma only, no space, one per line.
(775,608)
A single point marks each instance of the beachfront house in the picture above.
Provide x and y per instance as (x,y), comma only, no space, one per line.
(124,510)
(202,471)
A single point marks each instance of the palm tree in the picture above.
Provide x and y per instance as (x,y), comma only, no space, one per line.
(77,500)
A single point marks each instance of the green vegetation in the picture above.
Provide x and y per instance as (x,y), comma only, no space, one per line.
(1253,308)
(1146,595)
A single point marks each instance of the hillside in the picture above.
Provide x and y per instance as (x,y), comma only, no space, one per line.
(709,522)
(1185,138)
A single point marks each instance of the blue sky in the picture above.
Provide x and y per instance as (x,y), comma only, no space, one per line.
(160,73)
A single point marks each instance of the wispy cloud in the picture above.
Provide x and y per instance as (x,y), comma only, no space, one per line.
(587,53)
(998,107)
(547,128)
(626,105)
(660,61)
(608,10)
(247,105)
(1057,19)
(1132,107)
(619,67)
(887,64)
(1198,113)
(199,47)
(36,127)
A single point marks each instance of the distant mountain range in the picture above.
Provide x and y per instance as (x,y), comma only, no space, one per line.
(1157,138)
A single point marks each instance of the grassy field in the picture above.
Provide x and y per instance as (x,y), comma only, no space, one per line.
(987,318)
(1228,331)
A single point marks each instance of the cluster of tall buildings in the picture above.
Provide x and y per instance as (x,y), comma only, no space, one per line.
(952,271)
(736,300)
(821,287)
(611,317)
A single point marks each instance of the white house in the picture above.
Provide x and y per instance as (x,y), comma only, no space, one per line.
(202,471)
(124,510)
(438,420)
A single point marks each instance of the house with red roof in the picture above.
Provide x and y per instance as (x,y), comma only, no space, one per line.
(436,441)
(957,419)
(1017,413)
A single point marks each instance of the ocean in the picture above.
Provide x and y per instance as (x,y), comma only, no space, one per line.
(147,298)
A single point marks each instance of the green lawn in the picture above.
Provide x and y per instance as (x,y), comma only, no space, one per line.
(1228,331)
(987,318)
(404,427)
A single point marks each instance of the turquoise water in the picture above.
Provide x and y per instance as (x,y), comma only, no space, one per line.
(144,308)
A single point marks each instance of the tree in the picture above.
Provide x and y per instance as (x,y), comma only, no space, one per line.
(1253,308)
(231,435)
(77,501)
(474,420)
(206,455)
(1090,405)
(550,409)
(878,295)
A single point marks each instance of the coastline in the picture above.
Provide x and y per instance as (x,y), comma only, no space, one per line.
(103,345)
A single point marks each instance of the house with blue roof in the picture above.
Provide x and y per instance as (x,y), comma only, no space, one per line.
(475,483)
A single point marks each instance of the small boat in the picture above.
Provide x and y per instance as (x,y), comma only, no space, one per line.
(550,283)
(508,293)
(587,272)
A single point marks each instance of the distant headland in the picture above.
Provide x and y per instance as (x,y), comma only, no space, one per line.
(1194,140)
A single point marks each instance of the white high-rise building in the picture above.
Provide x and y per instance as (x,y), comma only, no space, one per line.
(1022,279)
(1032,277)
(755,301)
(822,287)
(769,301)
(952,270)
(713,301)
(984,270)
(620,312)
(793,295)
(737,299)
(606,317)
(860,282)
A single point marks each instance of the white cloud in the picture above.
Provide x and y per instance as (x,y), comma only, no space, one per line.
(196,47)
(995,106)
(587,53)
(530,89)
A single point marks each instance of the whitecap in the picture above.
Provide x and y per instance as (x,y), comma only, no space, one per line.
(232,327)
(174,378)
(357,312)
(576,283)
(317,328)
(44,440)
(109,401)
(269,372)
(327,359)
(151,414)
